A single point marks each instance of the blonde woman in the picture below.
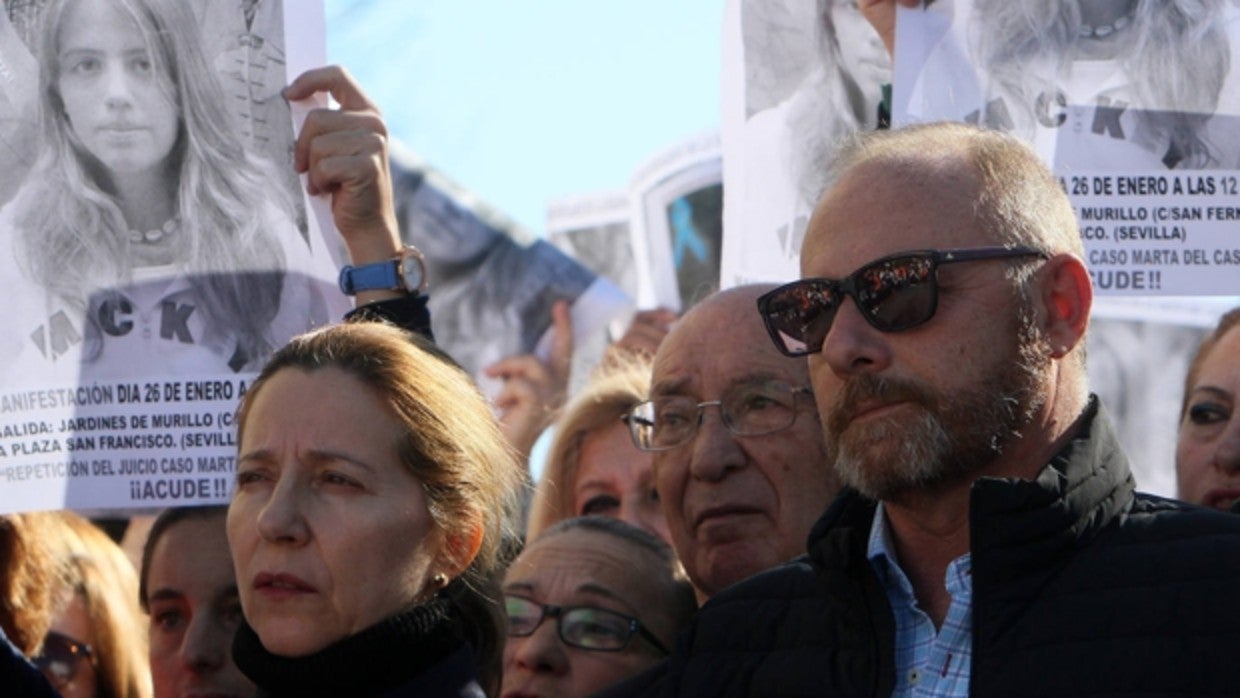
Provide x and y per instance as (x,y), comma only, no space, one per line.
(96,645)
(592,466)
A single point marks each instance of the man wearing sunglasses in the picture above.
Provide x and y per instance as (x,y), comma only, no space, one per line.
(989,541)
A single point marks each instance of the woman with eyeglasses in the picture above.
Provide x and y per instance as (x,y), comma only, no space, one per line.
(590,602)
(96,646)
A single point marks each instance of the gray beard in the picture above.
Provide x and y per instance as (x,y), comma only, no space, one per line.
(950,439)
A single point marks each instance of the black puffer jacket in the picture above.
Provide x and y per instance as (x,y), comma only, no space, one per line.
(1080,588)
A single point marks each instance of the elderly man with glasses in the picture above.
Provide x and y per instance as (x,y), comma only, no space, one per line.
(738,450)
(988,541)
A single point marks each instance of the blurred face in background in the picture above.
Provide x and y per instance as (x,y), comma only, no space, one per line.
(194,612)
(616,479)
(1208,450)
(67,656)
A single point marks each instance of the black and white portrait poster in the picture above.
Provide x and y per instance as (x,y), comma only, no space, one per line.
(157,240)
(1135,105)
(798,75)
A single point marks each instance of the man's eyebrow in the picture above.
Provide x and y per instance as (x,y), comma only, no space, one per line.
(678,386)
(669,387)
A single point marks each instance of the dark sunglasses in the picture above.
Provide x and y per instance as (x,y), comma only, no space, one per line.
(895,293)
(61,658)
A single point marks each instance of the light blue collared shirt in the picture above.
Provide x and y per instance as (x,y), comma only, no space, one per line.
(929,663)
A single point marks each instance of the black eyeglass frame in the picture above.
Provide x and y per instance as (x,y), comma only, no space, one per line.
(848,286)
(632,420)
(635,626)
(78,651)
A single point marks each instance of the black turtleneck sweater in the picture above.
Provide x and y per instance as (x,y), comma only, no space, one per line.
(421,652)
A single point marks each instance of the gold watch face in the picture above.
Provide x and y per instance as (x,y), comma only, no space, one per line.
(413,270)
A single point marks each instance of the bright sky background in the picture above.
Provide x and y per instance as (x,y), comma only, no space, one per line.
(523,102)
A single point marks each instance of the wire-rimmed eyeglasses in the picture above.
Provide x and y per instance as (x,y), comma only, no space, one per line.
(584,627)
(747,409)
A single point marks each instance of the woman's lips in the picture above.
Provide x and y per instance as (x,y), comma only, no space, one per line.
(280,585)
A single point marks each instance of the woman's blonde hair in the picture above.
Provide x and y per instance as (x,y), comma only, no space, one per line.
(27,571)
(73,238)
(94,568)
(621,382)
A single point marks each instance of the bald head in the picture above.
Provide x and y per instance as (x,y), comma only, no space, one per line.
(1007,190)
(728,318)
(737,503)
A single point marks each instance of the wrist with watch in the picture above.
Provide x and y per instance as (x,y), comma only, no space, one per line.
(404,272)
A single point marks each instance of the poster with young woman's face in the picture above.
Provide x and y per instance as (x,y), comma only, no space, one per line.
(158,246)
(799,76)
(1135,106)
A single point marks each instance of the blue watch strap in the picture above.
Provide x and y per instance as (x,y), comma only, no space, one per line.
(369,277)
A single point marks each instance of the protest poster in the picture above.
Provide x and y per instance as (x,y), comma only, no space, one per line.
(594,229)
(158,244)
(659,239)
(1140,133)
(492,283)
(798,76)
(677,218)
(1139,130)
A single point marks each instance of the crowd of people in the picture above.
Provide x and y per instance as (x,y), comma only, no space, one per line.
(888,477)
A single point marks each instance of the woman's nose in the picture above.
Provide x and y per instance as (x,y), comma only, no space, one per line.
(542,650)
(118,92)
(1227,454)
(281,519)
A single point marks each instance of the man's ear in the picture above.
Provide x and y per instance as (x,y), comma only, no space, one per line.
(1067,295)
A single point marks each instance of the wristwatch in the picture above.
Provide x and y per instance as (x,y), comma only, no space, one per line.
(404,272)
